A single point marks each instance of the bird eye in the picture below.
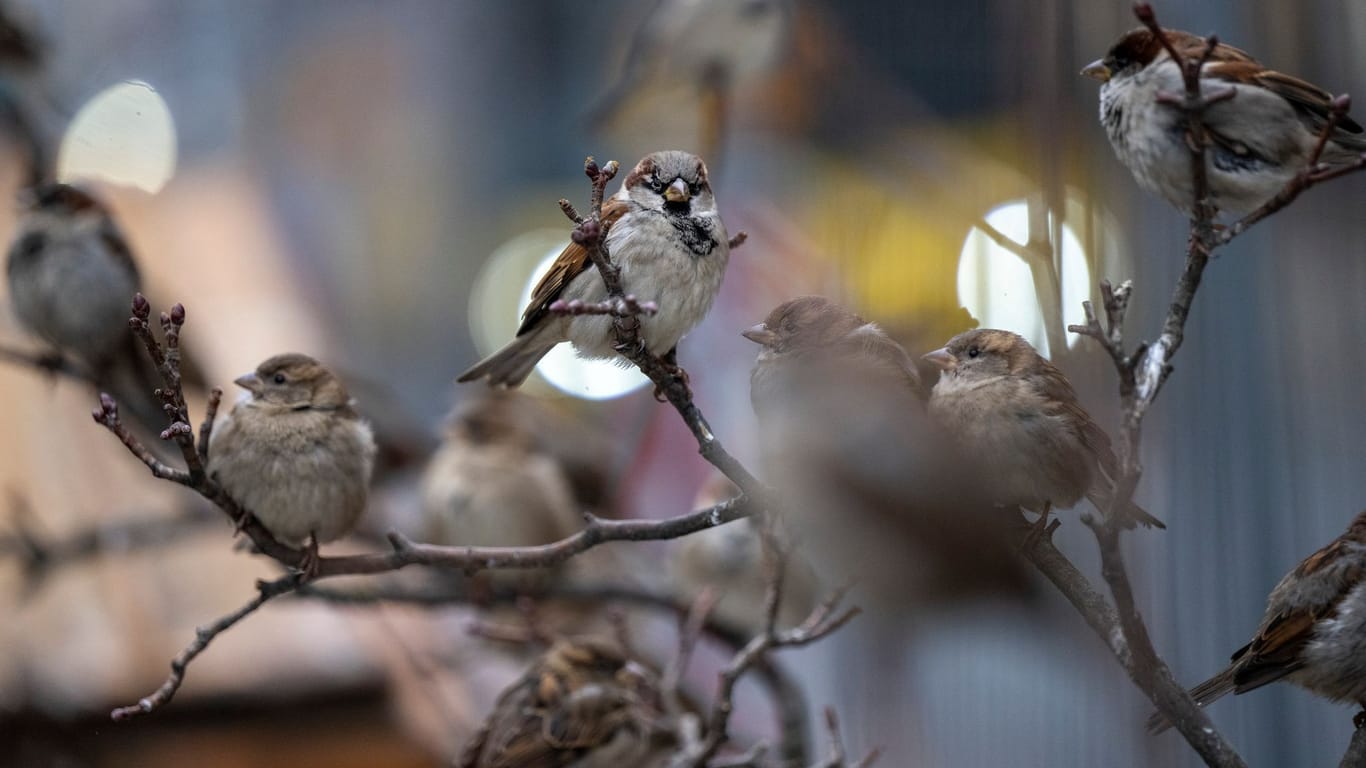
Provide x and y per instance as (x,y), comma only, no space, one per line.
(694,188)
(974,351)
(279,378)
(656,185)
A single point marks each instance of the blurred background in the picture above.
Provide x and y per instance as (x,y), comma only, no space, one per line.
(374,183)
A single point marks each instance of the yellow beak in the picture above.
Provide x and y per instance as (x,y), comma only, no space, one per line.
(1097,70)
(678,192)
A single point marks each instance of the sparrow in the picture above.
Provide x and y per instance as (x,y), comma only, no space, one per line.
(1259,139)
(703,44)
(72,278)
(663,231)
(490,484)
(583,704)
(294,452)
(1016,412)
(729,559)
(871,490)
(1313,633)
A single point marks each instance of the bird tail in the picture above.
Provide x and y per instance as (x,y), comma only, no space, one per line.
(1204,693)
(1133,513)
(509,366)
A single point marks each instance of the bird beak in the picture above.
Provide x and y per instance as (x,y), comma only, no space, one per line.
(250,382)
(1097,70)
(942,358)
(760,334)
(677,192)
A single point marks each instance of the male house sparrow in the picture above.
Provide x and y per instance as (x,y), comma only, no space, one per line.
(584,704)
(1313,633)
(874,492)
(1017,413)
(1260,139)
(664,233)
(489,484)
(294,452)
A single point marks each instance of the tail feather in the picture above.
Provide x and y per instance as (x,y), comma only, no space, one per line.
(1133,513)
(509,366)
(1204,693)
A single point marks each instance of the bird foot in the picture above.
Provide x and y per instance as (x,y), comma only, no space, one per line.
(311,561)
(1042,529)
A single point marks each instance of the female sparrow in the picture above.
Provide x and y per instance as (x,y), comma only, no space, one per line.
(584,704)
(72,279)
(71,274)
(1313,633)
(1259,139)
(489,484)
(664,233)
(875,493)
(1015,411)
(294,452)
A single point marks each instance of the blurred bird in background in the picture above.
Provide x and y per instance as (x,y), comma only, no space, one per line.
(72,278)
(729,559)
(490,484)
(696,52)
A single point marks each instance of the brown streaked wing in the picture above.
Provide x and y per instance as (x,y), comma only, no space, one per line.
(1059,390)
(114,240)
(1304,96)
(1275,651)
(572,262)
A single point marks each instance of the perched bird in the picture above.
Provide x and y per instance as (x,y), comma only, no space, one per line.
(71,274)
(1259,139)
(490,484)
(873,492)
(696,49)
(294,452)
(1015,411)
(1313,633)
(664,233)
(584,704)
(72,279)
(729,559)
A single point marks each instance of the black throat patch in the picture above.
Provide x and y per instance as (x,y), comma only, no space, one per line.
(696,235)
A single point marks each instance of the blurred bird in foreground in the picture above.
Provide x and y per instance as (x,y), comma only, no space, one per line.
(72,278)
(704,48)
(875,492)
(663,231)
(1007,405)
(1313,633)
(584,704)
(490,484)
(295,453)
(729,559)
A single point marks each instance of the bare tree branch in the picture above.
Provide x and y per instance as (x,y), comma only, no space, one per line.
(265,590)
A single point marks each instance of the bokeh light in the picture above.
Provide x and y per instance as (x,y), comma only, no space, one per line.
(124,135)
(997,287)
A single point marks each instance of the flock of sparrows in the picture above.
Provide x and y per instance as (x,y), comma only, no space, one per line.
(1001,427)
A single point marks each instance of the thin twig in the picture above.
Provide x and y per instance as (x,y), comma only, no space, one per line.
(47,362)
(265,590)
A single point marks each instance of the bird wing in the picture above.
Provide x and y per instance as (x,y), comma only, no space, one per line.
(572,262)
(1275,650)
(1309,99)
(1057,389)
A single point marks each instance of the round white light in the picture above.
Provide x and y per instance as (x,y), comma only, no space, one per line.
(124,135)
(997,287)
